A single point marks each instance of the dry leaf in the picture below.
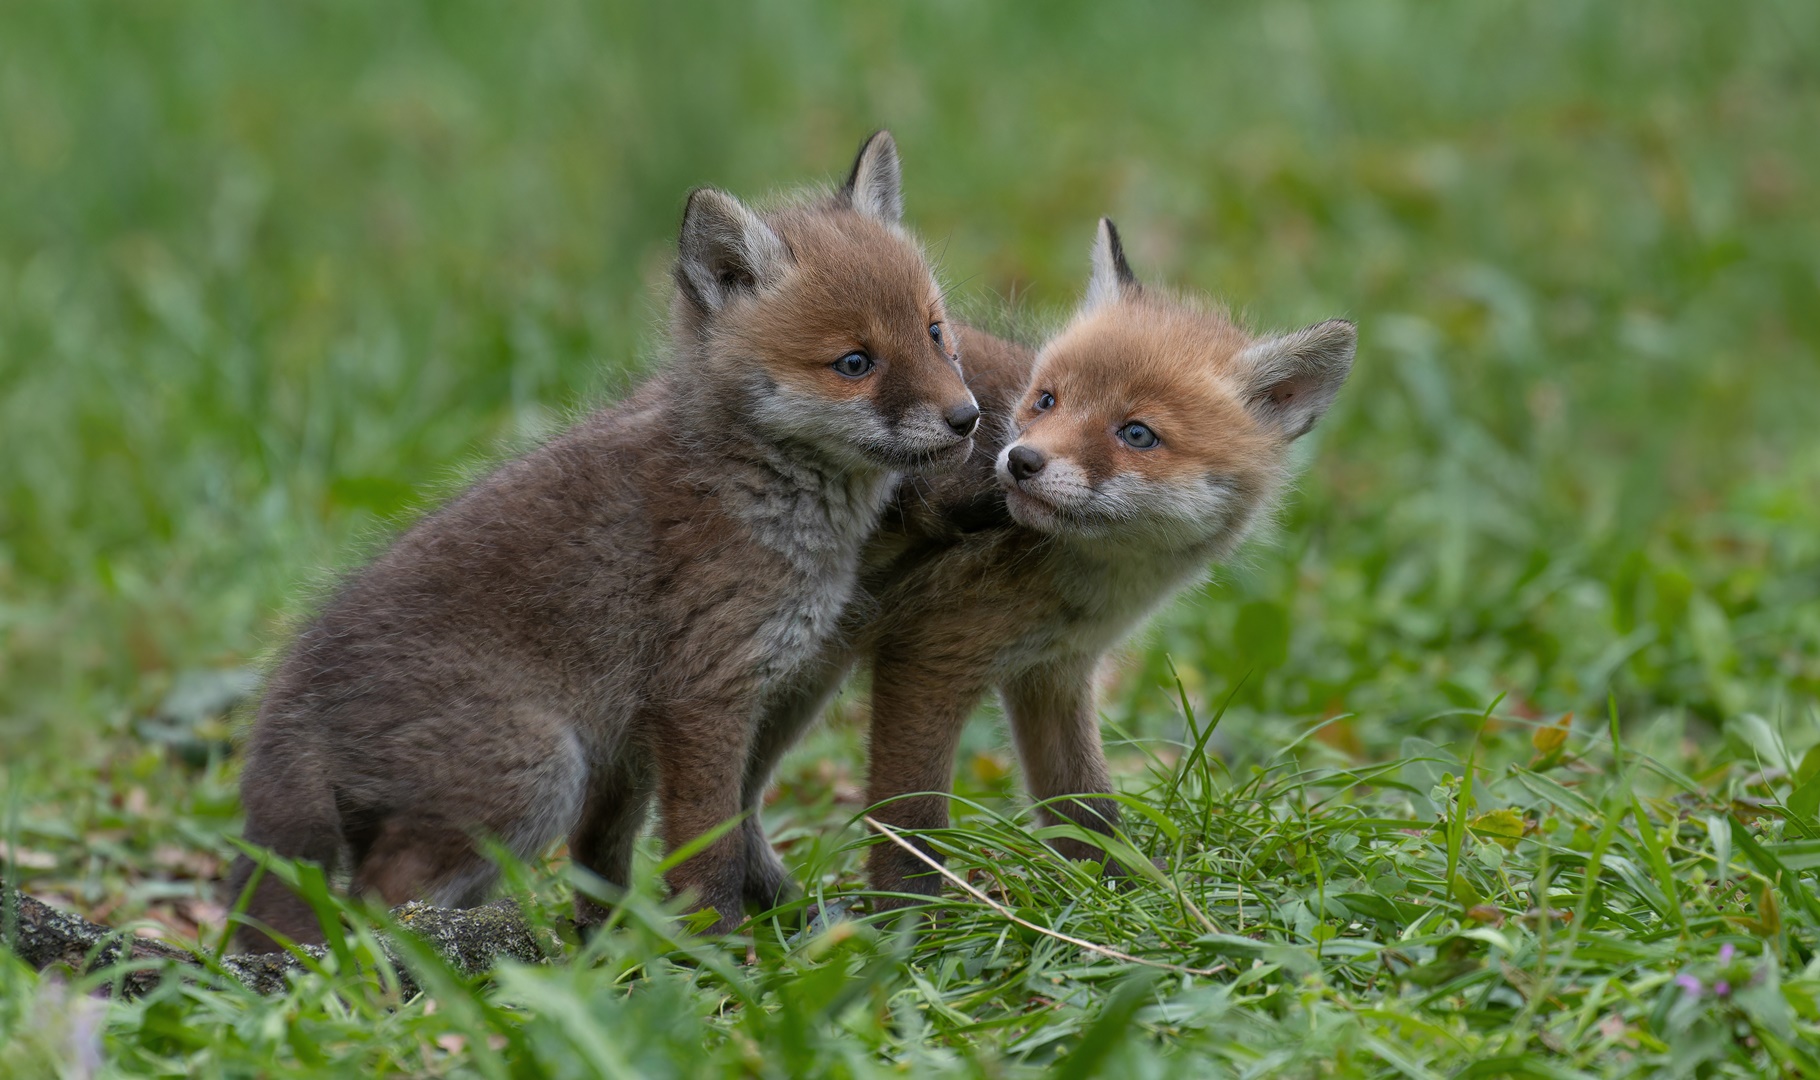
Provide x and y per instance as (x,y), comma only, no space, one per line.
(1486,913)
(1503,827)
(1553,738)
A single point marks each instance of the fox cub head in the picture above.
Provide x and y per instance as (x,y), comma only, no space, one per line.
(1152,421)
(824,322)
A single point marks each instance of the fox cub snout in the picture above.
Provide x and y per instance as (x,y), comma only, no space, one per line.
(831,321)
(1151,420)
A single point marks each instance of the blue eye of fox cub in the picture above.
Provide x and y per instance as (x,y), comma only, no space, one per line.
(935,332)
(854,365)
(1044,401)
(1137,436)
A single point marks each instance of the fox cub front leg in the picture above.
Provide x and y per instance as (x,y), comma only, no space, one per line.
(701,756)
(789,712)
(612,815)
(1056,730)
(918,710)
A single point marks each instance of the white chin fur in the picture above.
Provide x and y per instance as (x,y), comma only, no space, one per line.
(1030,512)
(926,458)
(814,420)
(1060,501)
(852,432)
(1187,512)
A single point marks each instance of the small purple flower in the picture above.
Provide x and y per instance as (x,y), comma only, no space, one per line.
(1720,987)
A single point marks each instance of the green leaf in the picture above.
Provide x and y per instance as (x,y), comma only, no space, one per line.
(1810,765)
(1771,868)
(1112,1027)
(1658,863)
(1804,801)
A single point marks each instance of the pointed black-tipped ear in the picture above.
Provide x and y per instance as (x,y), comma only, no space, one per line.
(876,184)
(1111,273)
(1291,380)
(725,249)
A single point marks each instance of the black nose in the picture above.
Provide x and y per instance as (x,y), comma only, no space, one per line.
(962,418)
(1024,462)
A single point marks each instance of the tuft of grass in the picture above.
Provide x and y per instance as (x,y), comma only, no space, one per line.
(274,278)
(1600,914)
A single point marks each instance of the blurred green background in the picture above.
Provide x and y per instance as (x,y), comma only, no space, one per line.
(273,277)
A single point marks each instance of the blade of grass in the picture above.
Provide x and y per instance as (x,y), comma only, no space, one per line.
(1658,864)
(1200,741)
(1108,1030)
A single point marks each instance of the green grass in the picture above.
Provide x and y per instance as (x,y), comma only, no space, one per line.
(274,277)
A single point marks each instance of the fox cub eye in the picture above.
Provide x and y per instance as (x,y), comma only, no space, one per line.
(1045,401)
(1137,436)
(935,332)
(854,365)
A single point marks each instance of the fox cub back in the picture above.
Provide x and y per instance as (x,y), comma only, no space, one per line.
(598,621)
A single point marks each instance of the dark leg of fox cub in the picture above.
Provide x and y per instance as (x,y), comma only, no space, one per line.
(1057,733)
(787,715)
(928,696)
(1055,728)
(613,814)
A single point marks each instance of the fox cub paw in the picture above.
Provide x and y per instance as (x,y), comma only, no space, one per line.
(767,883)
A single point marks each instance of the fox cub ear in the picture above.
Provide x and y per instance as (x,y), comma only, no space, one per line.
(725,249)
(876,184)
(1112,275)
(1291,380)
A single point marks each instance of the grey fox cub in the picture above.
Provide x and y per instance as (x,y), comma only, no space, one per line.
(1139,445)
(604,617)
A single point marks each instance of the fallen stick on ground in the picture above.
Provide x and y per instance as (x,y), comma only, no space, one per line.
(471,940)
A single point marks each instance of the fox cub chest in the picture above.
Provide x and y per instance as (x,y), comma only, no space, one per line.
(1093,603)
(816,527)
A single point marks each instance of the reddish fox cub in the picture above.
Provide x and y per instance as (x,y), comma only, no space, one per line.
(603,617)
(1139,445)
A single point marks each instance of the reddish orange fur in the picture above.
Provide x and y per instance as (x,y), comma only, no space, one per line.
(1157,361)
